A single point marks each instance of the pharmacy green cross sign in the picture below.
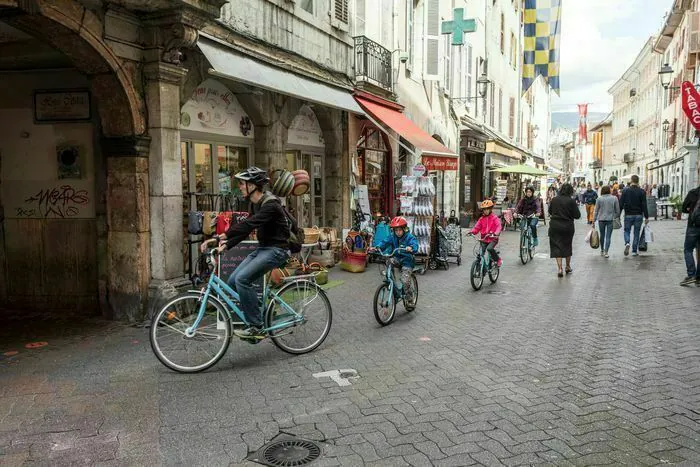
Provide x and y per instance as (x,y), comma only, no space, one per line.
(458,26)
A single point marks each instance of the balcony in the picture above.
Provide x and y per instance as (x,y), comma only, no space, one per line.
(372,64)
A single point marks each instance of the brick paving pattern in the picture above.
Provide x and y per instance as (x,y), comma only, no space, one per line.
(600,367)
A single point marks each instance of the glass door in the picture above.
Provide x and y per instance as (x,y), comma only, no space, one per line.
(309,208)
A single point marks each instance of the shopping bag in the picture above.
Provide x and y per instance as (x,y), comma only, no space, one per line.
(617,223)
(589,235)
(648,234)
(643,240)
(595,239)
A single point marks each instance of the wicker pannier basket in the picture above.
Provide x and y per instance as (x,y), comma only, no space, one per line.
(311,234)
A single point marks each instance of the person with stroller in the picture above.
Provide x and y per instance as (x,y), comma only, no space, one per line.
(489,226)
(527,206)
(401,238)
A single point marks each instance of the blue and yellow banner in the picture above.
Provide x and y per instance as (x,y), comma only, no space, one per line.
(542,23)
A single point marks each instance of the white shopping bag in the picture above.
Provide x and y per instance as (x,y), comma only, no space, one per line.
(588,236)
(648,234)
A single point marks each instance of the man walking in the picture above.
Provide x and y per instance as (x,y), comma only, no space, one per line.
(634,203)
(691,205)
(589,198)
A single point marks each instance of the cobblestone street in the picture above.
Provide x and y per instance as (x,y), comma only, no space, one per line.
(599,367)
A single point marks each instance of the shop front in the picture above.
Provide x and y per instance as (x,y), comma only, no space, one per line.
(473,150)
(499,155)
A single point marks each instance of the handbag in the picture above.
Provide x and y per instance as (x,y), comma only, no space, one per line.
(617,223)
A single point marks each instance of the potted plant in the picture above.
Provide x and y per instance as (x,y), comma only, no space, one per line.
(677,203)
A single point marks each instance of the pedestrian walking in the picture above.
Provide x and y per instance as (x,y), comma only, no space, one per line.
(691,205)
(654,191)
(562,212)
(634,202)
(589,198)
(607,209)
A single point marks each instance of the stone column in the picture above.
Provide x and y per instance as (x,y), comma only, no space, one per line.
(128,239)
(270,142)
(163,83)
(336,161)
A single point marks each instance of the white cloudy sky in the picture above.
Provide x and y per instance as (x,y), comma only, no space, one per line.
(599,41)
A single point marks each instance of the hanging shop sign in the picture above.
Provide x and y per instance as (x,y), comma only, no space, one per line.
(474,144)
(62,106)
(418,170)
(691,103)
(214,109)
(440,163)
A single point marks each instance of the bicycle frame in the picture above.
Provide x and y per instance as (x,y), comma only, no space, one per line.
(224,292)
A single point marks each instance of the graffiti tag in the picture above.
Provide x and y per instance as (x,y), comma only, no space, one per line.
(63,201)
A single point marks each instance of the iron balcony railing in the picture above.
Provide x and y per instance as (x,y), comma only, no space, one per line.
(372,63)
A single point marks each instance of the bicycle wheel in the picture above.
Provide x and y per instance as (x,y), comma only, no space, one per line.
(307,299)
(476,277)
(190,353)
(531,250)
(524,248)
(411,304)
(384,305)
(494,272)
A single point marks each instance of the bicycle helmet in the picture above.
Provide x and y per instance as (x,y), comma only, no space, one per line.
(486,204)
(398,221)
(254,175)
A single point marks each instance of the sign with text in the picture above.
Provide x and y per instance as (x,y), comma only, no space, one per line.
(231,259)
(62,106)
(691,102)
(440,163)
(49,199)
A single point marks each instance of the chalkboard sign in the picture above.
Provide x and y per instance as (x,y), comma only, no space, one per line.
(230,259)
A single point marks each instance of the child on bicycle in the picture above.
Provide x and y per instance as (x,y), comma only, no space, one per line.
(527,206)
(489,226)
(401,238)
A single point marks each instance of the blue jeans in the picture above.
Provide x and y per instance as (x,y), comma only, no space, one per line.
(635,221)
(533,226)
(692,241)
(262,260)
(606,228)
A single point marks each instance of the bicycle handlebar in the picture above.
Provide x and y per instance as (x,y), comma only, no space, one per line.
(520,216)
(376,251)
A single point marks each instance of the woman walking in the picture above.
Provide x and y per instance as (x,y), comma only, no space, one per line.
(562,212)
(607,209)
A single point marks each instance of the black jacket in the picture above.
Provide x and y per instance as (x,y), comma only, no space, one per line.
(691,199)
(634,202)
(270,220)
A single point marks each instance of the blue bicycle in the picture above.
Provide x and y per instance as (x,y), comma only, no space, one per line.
(389,292)
(193,331)
(483,265)
(527,244)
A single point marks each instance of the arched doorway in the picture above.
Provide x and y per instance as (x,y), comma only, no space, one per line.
(74,173)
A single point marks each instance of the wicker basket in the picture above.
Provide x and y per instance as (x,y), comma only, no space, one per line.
(311,234)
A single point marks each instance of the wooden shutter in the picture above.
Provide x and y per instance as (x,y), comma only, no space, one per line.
(511,118)
(341,10)
(500,109)
(431,41)
(492,103)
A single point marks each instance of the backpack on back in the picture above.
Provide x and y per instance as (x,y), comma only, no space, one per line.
(296,234)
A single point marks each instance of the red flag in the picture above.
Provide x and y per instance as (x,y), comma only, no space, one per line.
(582,125)
(691,103)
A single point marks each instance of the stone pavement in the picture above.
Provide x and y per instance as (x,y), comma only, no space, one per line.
(600,367)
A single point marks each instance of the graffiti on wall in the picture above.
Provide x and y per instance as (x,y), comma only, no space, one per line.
(49,199)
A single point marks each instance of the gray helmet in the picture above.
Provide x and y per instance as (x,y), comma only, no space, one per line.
(254,175)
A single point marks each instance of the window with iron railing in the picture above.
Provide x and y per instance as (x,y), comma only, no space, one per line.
(372,63)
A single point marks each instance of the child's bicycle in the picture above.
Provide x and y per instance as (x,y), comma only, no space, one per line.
(193,330)
(391,290)
(483,265)
(527,244)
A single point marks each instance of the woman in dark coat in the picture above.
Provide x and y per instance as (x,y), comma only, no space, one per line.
(562,212)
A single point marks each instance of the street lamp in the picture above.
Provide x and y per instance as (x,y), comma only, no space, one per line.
(665,75)
(482,88)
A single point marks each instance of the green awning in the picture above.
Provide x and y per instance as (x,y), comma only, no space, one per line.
(521,169)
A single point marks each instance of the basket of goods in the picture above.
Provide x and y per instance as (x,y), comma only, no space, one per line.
(301,182)
(354,257)
(312,234)
(317,270)
(283,183)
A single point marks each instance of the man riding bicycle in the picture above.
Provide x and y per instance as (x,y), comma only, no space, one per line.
(528,206)
(401,238)
(273,231)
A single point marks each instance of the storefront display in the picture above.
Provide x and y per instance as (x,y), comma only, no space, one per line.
(372,168)
(417,205)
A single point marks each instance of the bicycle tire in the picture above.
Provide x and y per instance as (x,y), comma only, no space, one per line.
(476,277)
(278,336)
(524,248)
(493,276)
(384,321)
(412,306)
(160,320)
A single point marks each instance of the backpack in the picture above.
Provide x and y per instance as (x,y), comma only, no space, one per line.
(694,217)
(296,234)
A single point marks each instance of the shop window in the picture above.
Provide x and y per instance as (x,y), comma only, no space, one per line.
(203,168)
(373,171)
(231,160)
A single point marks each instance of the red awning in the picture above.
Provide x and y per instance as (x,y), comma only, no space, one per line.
(398,122)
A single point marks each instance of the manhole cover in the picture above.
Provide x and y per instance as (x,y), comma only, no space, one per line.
(287,451)
(497,292)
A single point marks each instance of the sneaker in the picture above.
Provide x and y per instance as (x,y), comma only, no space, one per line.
(634,253)
(499,263)
(251,332)
(607,255)
(535,241)
(627,249)
(602,252)
(688,280)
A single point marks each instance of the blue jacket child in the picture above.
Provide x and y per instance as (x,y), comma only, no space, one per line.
(406,239)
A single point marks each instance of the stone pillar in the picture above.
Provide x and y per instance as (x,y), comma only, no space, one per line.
(270,142)
(128,239)
(163,83)
(336,161)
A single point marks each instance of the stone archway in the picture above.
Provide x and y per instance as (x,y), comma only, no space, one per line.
(122,226)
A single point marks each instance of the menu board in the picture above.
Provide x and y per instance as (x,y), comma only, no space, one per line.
(230,259)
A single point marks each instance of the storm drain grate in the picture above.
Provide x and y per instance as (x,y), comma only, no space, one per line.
(287,451)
